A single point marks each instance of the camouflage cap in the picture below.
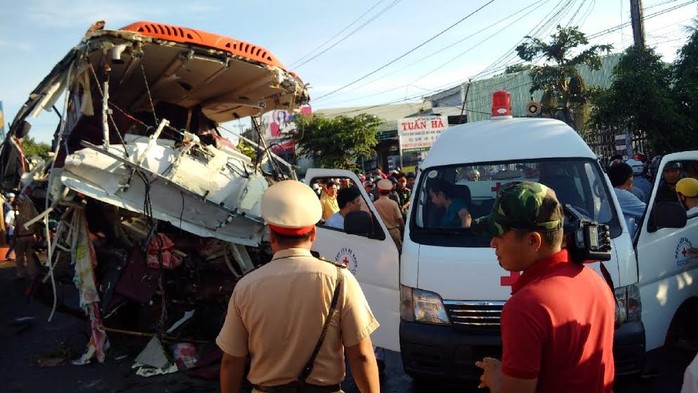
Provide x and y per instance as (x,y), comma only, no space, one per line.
(521,205)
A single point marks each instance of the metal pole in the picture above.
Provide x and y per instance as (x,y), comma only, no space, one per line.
(637,22)
(465,99)
(106,111)
(399,146)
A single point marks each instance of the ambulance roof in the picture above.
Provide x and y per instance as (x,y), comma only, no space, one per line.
(506,139)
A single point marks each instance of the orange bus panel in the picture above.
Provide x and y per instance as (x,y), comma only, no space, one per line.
(185,35)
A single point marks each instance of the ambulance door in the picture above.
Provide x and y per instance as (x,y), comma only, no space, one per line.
(666,254)
(373,258)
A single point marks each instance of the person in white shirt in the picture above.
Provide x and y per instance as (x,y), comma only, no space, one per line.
(687,192)
(621,176)
(349,200)
(10,228)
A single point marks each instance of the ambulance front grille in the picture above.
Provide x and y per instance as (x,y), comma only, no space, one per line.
(479,315)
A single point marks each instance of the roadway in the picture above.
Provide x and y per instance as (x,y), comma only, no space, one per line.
(65,336)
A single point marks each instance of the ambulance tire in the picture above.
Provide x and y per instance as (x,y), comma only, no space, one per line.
(683,330)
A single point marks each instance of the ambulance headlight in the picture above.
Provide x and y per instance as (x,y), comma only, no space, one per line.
(628,304)
(417,305)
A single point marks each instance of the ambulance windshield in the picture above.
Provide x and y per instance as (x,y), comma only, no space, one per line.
(444,194)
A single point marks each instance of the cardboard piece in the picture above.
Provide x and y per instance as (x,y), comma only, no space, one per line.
(153,355)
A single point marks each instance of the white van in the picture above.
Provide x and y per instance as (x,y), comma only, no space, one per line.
(439,302)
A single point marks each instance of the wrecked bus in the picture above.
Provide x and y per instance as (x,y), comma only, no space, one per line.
(158,213)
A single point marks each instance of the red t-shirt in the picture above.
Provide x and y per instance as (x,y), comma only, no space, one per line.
(558,327)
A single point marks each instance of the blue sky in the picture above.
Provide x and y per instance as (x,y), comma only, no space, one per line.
(35,34)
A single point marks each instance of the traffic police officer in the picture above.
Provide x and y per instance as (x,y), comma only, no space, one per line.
(276,313)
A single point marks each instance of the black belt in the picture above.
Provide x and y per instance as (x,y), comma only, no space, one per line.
(24,235)
(295,387)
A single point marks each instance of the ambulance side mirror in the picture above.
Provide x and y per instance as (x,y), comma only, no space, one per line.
(666,215)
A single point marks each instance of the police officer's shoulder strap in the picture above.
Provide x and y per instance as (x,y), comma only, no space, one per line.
(335,298)
(336,263)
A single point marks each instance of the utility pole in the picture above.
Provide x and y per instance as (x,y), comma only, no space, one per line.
(637,22)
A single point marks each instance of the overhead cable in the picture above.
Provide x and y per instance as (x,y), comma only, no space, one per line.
(293,64)
(384,10)
(441,50)
(408,52)
(451,85)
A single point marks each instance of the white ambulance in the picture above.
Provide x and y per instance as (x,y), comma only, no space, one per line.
(440,300)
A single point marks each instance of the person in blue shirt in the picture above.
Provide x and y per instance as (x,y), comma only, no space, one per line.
(621,176)
(642,188)
(442,194)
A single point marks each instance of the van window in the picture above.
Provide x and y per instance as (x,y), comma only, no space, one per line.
(328,191)
(434,221)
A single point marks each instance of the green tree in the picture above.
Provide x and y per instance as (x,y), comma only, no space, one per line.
(559,77)
(247,149)
(685,91)
(639,99)
(512,69)
(35,149)
(337,142)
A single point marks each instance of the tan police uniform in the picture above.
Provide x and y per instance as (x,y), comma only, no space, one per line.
(277,312)
(390,212)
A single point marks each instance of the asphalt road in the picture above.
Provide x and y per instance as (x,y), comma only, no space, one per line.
(23,345)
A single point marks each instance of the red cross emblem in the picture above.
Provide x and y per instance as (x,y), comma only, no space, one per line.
(345,261)
(507,281)
(684,251)
(496,187)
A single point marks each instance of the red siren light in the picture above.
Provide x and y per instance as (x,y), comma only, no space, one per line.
(501,103)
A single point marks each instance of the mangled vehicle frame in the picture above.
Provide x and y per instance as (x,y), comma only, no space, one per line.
(157,211)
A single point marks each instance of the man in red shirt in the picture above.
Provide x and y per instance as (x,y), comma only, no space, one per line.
(557,327)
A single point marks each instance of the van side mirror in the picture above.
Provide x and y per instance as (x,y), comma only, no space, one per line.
(666,215)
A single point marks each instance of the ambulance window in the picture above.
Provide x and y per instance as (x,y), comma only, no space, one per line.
(335,193)
(443,192)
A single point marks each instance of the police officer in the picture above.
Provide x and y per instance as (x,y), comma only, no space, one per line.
(276,313)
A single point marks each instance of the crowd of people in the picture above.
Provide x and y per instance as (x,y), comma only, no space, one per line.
(632,181)
(20,238)
(390,193)
(550,342)
(319,322)
(526,231)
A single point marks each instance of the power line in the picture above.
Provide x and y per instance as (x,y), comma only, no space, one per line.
(660,4)
(469,49)
(564,9)
(649,16)
(384,10)
(408,52)
(586,13)
(561,9)
(430,55)
(293,64)
(543,26)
